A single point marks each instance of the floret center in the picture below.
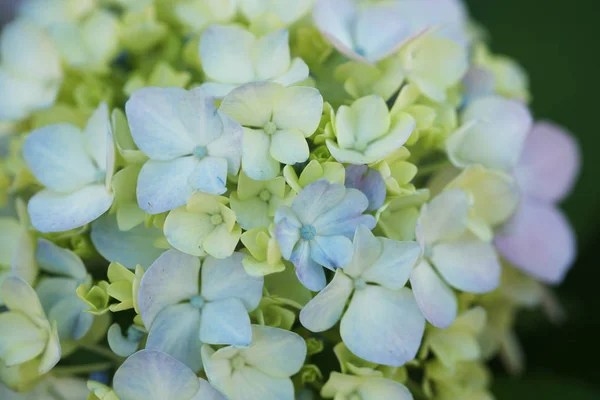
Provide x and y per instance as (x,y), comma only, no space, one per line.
(197,302)
(308,232)
(359,284)
(265,195)
(199,151)
(270,128)
(216,219)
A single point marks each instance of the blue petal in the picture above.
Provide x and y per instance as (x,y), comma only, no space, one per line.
(369,182)
(316,199)
(225,322)
(57,260)
(309,272)
(331,251)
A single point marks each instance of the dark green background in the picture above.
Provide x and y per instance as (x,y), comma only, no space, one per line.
(556,41)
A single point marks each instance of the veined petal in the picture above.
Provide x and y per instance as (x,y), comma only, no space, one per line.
(225,321)
(57,157)
(272,55)
(175,332)
(173,277)
(394,264)
(549,163)
(257,162)
(436,300)
(222,279)
(326,308)
(383,326)
(539,240)
(58,212)
(318,198)
(300,108)
(276,352)
(289,147)
(156,124)
(468,264)
(226,53)
(164,185)
(153,375)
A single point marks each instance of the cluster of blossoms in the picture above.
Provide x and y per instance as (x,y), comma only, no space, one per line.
(214,199)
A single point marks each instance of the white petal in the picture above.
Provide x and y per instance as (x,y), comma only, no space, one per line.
(383,326)
(95,134)
(394,139)
(20,339)
(443,217)
(57,260)
(156,122)
(549,164)
(493,133)
(252,104)
(366,250)
(289,147)
(229,145)
(251,213)
(225,321)
(297,72)
(164,185)
(175,332)
(257,162)
(333,17)
(371,118)
(129,248)
(152,375)
(298,108)
(468,264)
(435,299)
(210,175)
(272,55)
(250,384)
(326,308)
(394,265)
(57,157)
(226,278)
(276,352)
(226,54)
(172,278)
(540,241)
(56,212)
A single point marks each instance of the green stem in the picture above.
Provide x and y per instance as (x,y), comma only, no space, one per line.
(290,303)
(82,369)
(102,351)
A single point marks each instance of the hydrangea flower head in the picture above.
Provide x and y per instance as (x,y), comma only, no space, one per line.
(192,146)
(315,231)
(232,56)
(76,167)
(276,120)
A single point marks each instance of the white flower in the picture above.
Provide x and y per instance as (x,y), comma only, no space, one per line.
(276,120)
(30,71)
(492,134)
(191,146)
(463,260)
(260,371)
(232,56)
(76,168)
(383,323)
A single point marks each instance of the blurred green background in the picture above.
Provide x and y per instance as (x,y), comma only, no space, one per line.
(556,41)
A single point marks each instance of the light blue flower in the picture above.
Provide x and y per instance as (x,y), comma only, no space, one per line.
(383,323)
(369,181)
(317,229)
(76,168)
(57,293)
(181,312)
(191,146)
(153,375)
(260,371)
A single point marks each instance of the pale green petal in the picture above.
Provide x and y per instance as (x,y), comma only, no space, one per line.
(272,55)
(18,296)
(444,217)
(379,388)
(297,72)
(298,108)
(252,105)
(289,147)
(401,130)
(186,230)
(20,339)
(96,136)
(257,162)
(372,119)
(249,384)
(221,242)
(251,213)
